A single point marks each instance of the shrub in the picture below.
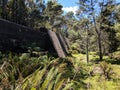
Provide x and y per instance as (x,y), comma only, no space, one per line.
(44,57)
(106,69)
(24,56)
(116,55)
(75,46)
(37,49)
(92,53)
(74,52)
(95,58)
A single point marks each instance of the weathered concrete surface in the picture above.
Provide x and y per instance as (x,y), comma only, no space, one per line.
(15,37)
(56,43)
(63,43)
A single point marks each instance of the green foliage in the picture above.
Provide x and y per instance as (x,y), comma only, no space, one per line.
(34,73)
(24,56)
(74,52)
(117,29)
(116,55)
(107,70)
(37,49)
(97,83)
(93,53)
(7,75)
(75,48)
(43,79)
(17,7)
(44,57)
(73,35)
(35,70)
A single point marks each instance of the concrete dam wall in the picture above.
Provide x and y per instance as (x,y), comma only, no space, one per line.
(16,38)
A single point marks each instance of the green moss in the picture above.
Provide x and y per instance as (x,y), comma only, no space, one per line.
(99,83)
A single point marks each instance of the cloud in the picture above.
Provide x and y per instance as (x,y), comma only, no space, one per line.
(68,9)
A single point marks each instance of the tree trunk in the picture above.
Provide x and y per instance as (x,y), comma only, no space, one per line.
(100,47)
(99,39)
(87,50)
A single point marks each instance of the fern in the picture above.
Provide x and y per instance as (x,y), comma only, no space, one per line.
(43,81)
(50,87)
(59,85)
(49,77)
(34,79)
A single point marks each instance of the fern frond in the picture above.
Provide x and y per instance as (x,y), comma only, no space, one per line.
(59,85)
(49,77)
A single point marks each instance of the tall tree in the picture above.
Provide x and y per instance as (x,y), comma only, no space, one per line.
(18,11)
(89,8)
(3,8)
(117,23)
(53,11)
(108,22)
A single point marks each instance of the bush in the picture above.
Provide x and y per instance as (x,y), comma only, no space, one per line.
(24,56)
(75,46)
(95,59)
(74,52)
(92,53)
(44,57)
(37,49)
(116,55)
(106,69)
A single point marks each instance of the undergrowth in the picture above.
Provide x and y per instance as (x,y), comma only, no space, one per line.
(41,72)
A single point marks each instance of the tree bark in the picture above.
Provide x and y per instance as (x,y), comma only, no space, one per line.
(87,49)
(99,39)
(100,47)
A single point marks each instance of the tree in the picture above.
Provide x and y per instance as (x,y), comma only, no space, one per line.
(88,9)
(36,17)
(71,26)
(53,10)
(117,23)
(3,8)
(86,28)
(108,21)
(18,11)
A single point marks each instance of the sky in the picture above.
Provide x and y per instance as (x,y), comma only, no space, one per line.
(71,5)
